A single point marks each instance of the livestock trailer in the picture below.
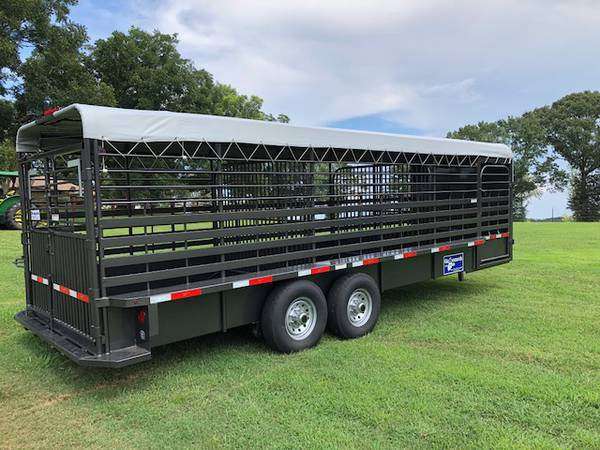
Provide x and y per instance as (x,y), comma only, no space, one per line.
(181,225)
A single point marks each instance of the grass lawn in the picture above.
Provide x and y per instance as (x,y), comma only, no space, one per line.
(509,358)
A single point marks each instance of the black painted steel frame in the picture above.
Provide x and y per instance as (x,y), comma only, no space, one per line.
(129,219)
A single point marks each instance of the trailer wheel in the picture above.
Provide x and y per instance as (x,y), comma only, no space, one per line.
(294,316)
(14,217)
(354,302)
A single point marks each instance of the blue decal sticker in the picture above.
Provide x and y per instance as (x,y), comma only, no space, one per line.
(454,263)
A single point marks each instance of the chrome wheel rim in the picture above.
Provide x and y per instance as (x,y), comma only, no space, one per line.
(360,307)
(300,318)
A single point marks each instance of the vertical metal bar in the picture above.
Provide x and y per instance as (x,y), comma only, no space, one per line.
(479,208)
(312,190)
(88,175)
(50,244)
(26,232)
(219,178)
(510,178)
(98,198)
(127,191)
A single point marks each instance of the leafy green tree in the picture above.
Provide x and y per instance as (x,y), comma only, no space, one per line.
(7,118)
(572,126)
(56,76)
(27,23)
(533,166)
(8,156)
(7,148)
(146,71)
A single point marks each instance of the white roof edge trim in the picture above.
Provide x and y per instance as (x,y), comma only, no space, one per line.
(131,125)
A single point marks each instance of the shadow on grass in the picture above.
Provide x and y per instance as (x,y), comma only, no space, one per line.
(416,297)
(218,350)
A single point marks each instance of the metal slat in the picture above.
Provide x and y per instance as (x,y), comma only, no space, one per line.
(269,207)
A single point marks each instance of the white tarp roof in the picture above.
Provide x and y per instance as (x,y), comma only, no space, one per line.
(132,125)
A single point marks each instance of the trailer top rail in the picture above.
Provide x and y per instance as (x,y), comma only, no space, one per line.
(129,125)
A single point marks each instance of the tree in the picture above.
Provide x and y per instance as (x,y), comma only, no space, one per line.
(146,71)
(572,126)
(56,76)
(7,118)
(26,23)
(533,166)
(7,149)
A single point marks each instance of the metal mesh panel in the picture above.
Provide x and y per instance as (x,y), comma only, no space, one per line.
(187,213)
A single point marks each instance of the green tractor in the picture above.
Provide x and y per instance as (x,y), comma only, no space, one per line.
(10,201)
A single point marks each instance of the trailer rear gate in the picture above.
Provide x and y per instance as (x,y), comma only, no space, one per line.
(128,220)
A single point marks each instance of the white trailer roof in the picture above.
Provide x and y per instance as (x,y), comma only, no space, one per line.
(132,125)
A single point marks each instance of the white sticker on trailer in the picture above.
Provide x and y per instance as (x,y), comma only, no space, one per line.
(35,214)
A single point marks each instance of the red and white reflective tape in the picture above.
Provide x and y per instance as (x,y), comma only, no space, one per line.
(252,282)
(322,267)
(406,255)
(70,292)
(366,262)
(491,237)
(63,289)
(477,242)
(315,270)
(40,280)
(443,248)
(178,295)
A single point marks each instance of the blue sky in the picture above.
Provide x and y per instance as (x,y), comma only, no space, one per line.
(416,66)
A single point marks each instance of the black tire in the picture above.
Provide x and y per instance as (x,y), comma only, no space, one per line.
(367,291)
(12,215)
(275,311)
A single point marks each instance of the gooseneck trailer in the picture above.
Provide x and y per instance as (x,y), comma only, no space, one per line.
(181,225)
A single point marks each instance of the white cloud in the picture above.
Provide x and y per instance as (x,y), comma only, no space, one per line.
(428,64)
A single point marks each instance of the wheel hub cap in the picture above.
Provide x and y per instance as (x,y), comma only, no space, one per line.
(360,306)
(300,318)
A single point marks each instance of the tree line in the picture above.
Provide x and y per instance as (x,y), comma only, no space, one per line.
(568,130)
(555,147)
(136,69)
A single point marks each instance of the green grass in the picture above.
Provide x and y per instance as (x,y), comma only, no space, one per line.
(509,358)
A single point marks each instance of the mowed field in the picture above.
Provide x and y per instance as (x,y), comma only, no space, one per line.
(509,358)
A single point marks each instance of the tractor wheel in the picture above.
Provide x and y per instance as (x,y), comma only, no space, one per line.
(14,217)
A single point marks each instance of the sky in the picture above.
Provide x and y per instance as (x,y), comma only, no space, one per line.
(412,66)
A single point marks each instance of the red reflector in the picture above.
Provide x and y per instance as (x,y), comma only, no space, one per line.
(410,254)
(504,235)
(64,290)
(261,280)
(141,316)
(40,280)
(320,270)
(366,262)
(83,297)
(444,248)
(492,236)
(480,242)
(186,294)
(50,111)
